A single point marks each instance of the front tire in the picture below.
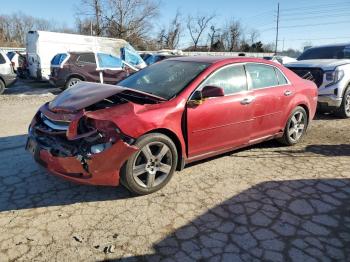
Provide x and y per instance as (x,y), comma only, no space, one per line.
(2,87)
(344,109)
(295,128)
(152,166)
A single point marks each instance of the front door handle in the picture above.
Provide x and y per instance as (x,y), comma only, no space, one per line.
(247,100)
(288,93)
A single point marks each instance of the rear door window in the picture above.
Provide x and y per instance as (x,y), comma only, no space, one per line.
(106,61)
(261,76)
(88,58)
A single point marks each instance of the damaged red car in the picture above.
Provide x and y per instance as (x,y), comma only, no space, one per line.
(171,113)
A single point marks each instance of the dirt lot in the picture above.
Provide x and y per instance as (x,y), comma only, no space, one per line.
(266,202)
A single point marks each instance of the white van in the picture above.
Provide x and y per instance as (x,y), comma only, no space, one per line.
(42,46)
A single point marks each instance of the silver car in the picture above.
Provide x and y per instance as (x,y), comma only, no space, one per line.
(7,74)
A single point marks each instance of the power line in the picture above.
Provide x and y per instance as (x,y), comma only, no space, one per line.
(318,24)
(315,39)
(307,25)
(313,17)
(307,12)
(315,6)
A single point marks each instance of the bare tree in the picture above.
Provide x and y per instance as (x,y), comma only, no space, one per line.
(92,14)
(170,38)
(130,19)
(253,36)
(233,32)
(214,36)
(197,26)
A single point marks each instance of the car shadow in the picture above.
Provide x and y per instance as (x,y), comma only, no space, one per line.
(31,87)
(294,220)
(326,116)
(24,184)
(310,151)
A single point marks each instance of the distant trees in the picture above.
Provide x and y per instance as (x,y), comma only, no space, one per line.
(134,20)
(14,27)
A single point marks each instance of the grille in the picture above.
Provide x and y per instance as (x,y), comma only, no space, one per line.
(55,125)
(316,74)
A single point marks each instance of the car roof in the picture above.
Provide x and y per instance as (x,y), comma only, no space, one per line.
(81,52)
(331,45)
(216,59)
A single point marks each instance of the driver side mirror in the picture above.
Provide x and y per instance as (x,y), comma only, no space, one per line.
(212,91)
(199,97)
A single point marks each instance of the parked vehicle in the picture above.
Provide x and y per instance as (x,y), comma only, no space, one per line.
(17,59)
(155,58)
(67,69)
(171,113)
(280,59)
(329,67)
(7,75)
(42,46)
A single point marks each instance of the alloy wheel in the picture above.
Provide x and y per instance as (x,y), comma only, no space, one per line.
(347,104)
(152,165)
(296,126)
(73,82)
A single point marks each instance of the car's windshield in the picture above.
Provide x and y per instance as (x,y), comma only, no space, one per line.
(165,79)
(329,52)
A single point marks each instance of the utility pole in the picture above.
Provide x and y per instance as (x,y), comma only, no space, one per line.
(277,26)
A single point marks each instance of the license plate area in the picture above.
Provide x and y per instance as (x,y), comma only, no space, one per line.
(31,146)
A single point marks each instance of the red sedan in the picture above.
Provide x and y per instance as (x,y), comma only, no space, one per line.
(166,115)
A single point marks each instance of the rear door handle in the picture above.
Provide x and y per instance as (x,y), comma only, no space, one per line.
(247,100)
(288,93)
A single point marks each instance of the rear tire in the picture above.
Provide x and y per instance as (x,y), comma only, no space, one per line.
(2,87)
(72,82)
(152,166)
(295,128)
(344,109)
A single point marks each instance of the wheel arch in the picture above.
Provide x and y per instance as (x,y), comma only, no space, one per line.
(75,76)
(176,140)
(307,110)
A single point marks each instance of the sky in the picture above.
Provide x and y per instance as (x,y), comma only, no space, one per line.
(311,22)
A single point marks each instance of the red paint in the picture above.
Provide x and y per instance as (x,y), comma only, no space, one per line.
(218,125)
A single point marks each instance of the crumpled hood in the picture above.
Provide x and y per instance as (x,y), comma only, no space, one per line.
(325,64)
(85,94)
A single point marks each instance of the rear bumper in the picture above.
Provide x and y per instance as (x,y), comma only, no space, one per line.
(57,82)
(9,79)
(99,169)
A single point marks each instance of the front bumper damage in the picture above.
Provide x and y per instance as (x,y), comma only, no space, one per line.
(67,154)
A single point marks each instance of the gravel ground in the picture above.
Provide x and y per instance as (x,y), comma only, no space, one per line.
(266,202)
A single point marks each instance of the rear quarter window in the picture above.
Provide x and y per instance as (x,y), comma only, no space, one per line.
(58,59)
(281,78)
